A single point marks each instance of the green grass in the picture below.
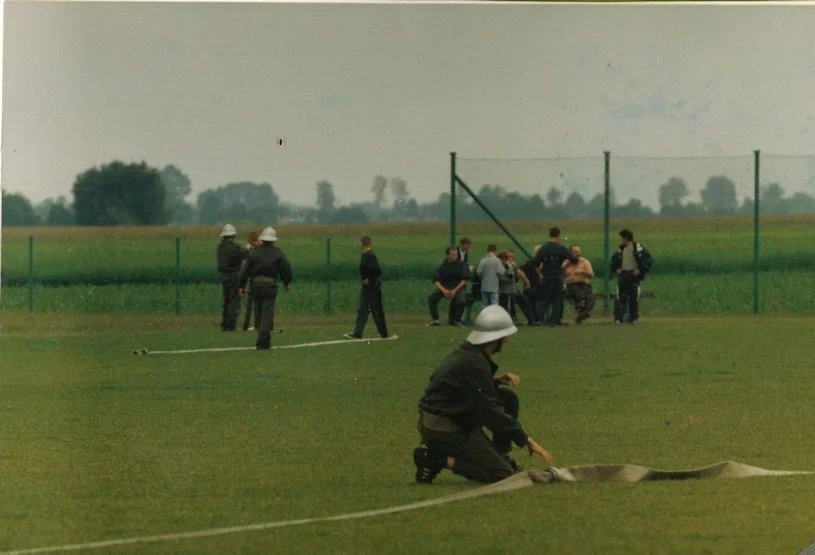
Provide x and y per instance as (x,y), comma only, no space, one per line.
(99,444)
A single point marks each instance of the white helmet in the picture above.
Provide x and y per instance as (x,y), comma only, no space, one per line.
(492,324)
(268,234)
(229,231)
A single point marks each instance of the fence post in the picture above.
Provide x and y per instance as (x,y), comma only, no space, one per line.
(606,227)
(452,199)
(328,268)
(30,273)
(178,275)
(756,216)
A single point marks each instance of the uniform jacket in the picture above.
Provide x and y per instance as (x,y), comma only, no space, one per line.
(229,257)
(369,268)
(450,274)
(644,260)
(552,255)
(463,388)
(267,264)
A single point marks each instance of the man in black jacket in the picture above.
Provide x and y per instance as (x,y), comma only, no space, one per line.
(631,263)
(550,260)
(370,297)
(266,265)
(465,395)
(450,281)
(229,257)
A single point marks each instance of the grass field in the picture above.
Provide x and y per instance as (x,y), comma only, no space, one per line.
(99,444)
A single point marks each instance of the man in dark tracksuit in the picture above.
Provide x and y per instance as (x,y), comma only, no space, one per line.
(266,265)
(550,260)
(631,263)
(229,258)
(450,280)
(252,244)
(370,297)
(464,395)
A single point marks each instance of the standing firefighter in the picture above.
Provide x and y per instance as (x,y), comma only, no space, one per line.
(464,396)
(450,281)
(578,285)
(267,264)
(252,244)
(370,297)
(229,258)
(550,259)
(631,263)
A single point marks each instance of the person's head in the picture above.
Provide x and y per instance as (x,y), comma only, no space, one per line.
(511,255)
(492,249)
(228,232)
(254,238)
(554,234)
(465,244)
(492,329)
(626,237)
(536,249)
(365,243)
(268,236)
(503,257)
(451,253)
(576,251)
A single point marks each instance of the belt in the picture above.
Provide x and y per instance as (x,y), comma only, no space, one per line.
(263,280)
(437,423)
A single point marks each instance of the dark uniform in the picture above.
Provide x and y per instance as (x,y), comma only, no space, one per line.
(464,396)
(532,294)
(449,275)
(552,255)
(266,265)
(250,298)
(628,285)
(370,297)
(229,257)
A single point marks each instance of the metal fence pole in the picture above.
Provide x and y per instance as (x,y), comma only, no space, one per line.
(178,275)
(607,228)
(756,216)
(30,273)
(452,199)
(328,268)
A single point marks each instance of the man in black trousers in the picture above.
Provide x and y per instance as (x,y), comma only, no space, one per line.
(450,281)
(370,297)
(550,260)
(229,257)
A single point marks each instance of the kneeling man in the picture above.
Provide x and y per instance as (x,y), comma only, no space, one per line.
(464,396)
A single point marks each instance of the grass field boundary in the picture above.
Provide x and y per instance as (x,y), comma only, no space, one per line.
(229,349)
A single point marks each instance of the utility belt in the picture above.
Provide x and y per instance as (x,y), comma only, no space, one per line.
(263,281)
(434,423)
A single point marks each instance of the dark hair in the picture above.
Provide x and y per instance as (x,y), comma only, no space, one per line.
(253,236)
(365,240)
(627,235)
(491,248)
(503,255)
(554,232)
(465,241)
(448,250)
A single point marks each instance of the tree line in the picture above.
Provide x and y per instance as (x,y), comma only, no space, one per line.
(137,194)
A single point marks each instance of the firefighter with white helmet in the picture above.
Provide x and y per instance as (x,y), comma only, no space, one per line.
(465,395)
(267,267)
(229,257)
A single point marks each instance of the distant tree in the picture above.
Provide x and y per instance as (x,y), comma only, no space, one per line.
(772,200)
(178,187)
(634,209)
(554,196)
(210,209)
(801,203)
(347,215)
(18,211)
(60,214)
(672,196)
(596,207)
(719,196)
(326,200)
(120,194)
(575,206)
(379,189)
(747,207)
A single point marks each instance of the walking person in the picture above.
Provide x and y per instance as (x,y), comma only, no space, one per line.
(229,257)
(631,263)
(370,296)
(267,264)
(550,260)
(252,243)
(488,271)
(465,395)
(450,281)
(579,291)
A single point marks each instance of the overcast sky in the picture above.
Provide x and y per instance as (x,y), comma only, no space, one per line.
(360,90)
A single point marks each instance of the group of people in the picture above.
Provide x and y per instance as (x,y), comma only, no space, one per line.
(554,276)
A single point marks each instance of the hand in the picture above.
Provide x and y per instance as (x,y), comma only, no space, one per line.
(365,282)
(620,271)
(242,293)
(514,379)
(449,294)
(535,449)
(636,272)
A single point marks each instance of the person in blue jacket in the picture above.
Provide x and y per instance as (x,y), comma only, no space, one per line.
(631,263)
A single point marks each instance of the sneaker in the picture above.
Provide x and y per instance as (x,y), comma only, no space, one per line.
(434,323)
(251,328)
(350,336)
(457,324)
(428,465)
(618,321)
